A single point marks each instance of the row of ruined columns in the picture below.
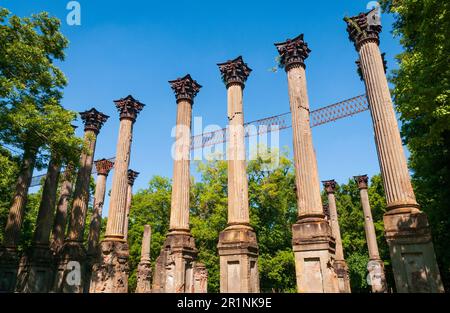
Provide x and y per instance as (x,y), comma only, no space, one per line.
(317,245)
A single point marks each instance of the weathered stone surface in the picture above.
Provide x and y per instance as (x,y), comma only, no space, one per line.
(9,263)
(36,270)
(174,269)
(314,250)
(144,270)
(200,278)
(71,269)
(406,227)
(238,251)
(110,272)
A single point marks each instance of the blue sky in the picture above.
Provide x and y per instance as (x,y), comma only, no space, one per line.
(135,47)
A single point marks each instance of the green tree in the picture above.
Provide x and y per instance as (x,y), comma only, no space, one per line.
(422,97)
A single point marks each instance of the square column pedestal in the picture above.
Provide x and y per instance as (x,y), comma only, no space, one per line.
(110,271)
(238,251)
(71,268)
(36,270)
(413,260)
(175,266)
(314,249)
(9,263)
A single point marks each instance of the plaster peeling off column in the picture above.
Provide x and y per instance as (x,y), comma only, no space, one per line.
(406,227)
(103,167)
(312,240)
(93,121)
(238,247)
(376,265)
(132,175)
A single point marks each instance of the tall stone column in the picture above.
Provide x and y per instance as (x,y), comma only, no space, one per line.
(312,240)
(103,167)
(376,265)
(238,247)
(132,175)
(174,271)
(110,273)
(9,257)
(406,226)
(144,271)
(36,271)
(340,265)
(73,249)
(59,225)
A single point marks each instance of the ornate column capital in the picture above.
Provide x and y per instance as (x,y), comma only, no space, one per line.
(329,185)
(185,88)
(293,52)
(103,166)
(234,72)
(132,175)
(129,107)
(364,27)
(362,181)
(93,120)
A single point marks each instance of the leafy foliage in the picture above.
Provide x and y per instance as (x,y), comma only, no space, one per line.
(422,96)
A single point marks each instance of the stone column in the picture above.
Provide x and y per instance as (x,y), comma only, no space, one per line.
(312,240)
(110,273)
(9,258)
(176,262)
(73,248)
(406,226)
(36,271)
(132,175)
(238,247)
(376,265)
(144,271)
(340,265)
(59,225)
(103,167)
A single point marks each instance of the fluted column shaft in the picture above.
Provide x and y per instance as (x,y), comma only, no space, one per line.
(81,193)
(306,175)
(335,229)
(47,206)
(369,227)
(238,210)
(96,223)
(16,211)
(59,225)
(118,200)
(179,213)
(146,241)
(396,178)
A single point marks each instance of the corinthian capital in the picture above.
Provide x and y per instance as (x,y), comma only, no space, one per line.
(185,88)
(234,72)
(293,52)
